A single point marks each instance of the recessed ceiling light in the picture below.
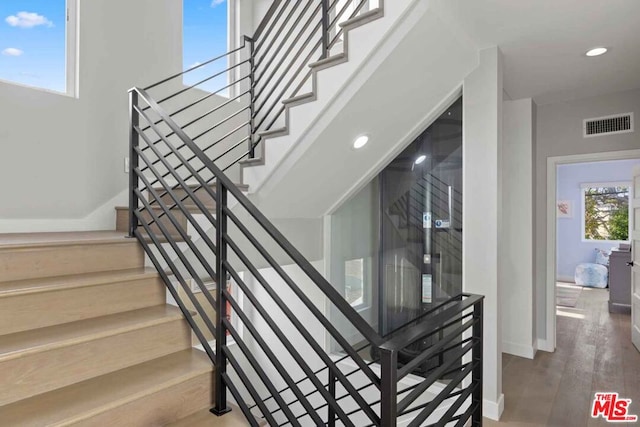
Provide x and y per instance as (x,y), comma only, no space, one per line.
(360,141)
(597,51)
(420,159)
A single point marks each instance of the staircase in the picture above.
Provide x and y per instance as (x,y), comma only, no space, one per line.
(89,340)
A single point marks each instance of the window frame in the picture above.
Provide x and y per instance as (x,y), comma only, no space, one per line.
(71,55)
(586,185)
(366,278)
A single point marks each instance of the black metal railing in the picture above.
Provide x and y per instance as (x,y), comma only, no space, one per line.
(270,322)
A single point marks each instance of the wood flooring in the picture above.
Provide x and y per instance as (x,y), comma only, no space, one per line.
(594,354)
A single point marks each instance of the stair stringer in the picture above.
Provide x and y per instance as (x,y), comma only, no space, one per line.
(409,79)
(362,38)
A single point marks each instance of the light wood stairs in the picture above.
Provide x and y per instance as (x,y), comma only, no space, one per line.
(86,338)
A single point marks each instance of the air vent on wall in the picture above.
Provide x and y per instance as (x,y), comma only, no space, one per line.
(620,123)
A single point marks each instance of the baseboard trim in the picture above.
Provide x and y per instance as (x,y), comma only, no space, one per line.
(520,350)
(545,345)
(493,410)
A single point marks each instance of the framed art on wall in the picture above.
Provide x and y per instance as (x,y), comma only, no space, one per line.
(564,209)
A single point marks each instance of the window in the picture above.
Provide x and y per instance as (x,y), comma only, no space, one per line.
(205,36)
(605,211)
(38,43)
(354,272)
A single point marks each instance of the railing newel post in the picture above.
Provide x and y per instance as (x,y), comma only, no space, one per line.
(476,357)
(221,303)
(325,29)
(388,387)
(134,141)
(252,100)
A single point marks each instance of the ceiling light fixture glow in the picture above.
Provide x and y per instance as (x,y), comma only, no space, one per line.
(597,51)
(420,159)
(360,141)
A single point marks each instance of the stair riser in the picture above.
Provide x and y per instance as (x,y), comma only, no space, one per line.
(36,310)
(157,409)
(122,221)
(33,263)
(201,194)
(44,371)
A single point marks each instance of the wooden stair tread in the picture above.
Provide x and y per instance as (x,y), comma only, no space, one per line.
(243,187)
(73,281)
(31,240)
(47,338)
(91,397)
(205,418)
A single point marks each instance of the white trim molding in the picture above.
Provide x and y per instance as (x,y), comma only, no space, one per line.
(520,350)
(549,342)
(493,410)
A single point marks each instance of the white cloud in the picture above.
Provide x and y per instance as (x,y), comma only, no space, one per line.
(215,3)
(12,51)
(195,64)
(27,20)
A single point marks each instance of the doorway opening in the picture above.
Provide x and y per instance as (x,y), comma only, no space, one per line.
(589,218)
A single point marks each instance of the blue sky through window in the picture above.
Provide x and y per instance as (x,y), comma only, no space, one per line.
(32,43)
(205,32)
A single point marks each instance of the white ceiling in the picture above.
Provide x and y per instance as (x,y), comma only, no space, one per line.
(544,42)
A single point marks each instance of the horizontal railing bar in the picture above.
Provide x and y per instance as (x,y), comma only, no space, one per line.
(291,45)
(228,134)
(204,98)
(220,123)
(197,119)
(248,384)
(187,265)
(233,147)
(462,419)
(405,390)
(433,377)
(181,91)
(165,278)
(422,316)
(424,414)
(429,353)
(197,66)
(281,77)
(261,374)
(301,295)
(173,171)
(414,333)
(174,151)
(464,394)
(325,368)
(447,397)
(341,30)
(294,319)
(341,304)
(181,184)
(245,154)
(244,407)
(257,61)
(189,242)
(267,18)
(273,359)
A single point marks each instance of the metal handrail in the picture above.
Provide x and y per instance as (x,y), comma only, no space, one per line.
(156,209)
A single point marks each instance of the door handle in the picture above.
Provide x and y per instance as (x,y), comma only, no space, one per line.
(630,264)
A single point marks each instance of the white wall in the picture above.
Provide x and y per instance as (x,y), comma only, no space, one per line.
(516,243)
(62,157)
(482,140)
(559,133)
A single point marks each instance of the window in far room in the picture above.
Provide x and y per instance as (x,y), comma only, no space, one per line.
(206,36)
(605,211)
(38,44)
